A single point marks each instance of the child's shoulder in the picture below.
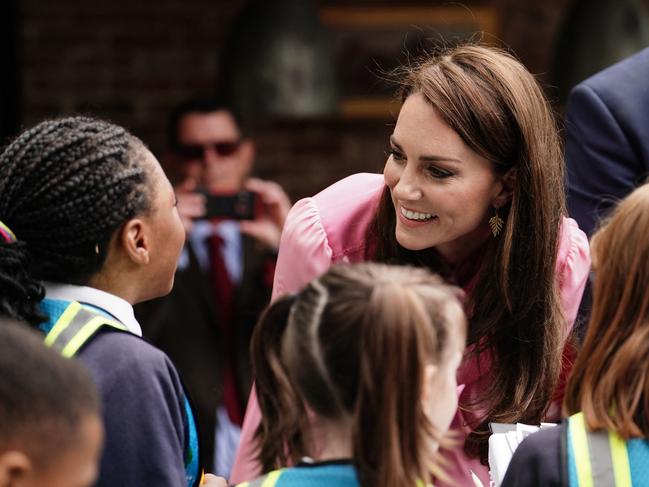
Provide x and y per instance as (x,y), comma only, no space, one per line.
(125,353)
(108,349)
(341,474)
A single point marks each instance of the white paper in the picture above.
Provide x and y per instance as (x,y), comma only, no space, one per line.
(503,444)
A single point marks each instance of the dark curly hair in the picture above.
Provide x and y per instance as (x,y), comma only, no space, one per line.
(66,186)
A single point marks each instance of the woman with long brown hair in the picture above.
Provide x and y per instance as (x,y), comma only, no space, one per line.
(472,189)
(342,347)
(607,396)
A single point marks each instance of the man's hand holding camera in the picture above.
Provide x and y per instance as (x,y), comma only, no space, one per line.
(271,207)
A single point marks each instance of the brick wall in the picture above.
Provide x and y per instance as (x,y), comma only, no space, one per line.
(10,79)
(132,60)
(531,28)
(127,60)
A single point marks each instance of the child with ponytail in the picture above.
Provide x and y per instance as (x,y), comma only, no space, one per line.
(605,438)
(372,351)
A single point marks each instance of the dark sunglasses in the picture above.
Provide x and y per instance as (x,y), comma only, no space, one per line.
(197,151)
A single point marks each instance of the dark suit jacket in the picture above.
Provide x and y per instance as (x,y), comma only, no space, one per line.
(607,142)
(185,324)
(541,460)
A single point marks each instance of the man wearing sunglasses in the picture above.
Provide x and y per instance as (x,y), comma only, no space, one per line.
(224,276)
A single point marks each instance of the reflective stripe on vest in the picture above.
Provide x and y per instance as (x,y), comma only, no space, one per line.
(600,457)
(75,327)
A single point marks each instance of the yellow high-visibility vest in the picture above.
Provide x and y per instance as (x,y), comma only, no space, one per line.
(75,327)
(599,458)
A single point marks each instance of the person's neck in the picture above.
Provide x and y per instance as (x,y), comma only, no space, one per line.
(458,251)
(337,436)
(118,287)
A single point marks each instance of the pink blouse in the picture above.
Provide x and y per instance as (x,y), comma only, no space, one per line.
(331,227)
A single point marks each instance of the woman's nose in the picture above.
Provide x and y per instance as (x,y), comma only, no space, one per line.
(408,188)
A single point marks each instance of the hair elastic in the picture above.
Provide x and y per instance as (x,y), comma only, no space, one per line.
(6,233)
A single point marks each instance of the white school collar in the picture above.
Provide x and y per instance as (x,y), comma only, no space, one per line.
(119,308)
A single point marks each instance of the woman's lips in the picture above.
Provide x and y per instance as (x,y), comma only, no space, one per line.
(410,222)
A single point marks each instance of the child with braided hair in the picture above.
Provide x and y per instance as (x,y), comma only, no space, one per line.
(90,227)
(372,350)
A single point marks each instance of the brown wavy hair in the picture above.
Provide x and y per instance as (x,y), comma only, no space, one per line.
(353,345)
(610,378)
(499,110)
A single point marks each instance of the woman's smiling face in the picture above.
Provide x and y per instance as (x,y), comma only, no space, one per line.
(443,192)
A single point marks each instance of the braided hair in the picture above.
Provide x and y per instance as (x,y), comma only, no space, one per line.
(66,186)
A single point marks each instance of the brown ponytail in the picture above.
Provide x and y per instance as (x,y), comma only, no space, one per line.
(280,435)
(354,345)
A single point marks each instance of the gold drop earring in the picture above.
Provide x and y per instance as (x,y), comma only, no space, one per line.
(496,224)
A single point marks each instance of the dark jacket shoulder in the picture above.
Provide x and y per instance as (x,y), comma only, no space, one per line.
(539,460)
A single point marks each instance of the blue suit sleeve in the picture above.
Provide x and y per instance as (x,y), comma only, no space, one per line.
(601,165)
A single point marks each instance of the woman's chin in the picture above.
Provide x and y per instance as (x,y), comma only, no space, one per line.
(412,244)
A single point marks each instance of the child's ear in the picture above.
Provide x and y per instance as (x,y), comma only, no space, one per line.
(14,467)
(135,240)
(428,393)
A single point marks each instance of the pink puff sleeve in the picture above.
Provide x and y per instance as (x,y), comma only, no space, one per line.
(305,251)
(328,228)
(573,268)
(304,255)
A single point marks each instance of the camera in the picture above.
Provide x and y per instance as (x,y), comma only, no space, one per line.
(243,205)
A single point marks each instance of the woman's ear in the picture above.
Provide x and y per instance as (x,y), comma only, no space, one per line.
(507,185)
(14,466)
(135,240)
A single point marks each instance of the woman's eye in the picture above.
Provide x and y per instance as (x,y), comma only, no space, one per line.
(396,155)
(439,173)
